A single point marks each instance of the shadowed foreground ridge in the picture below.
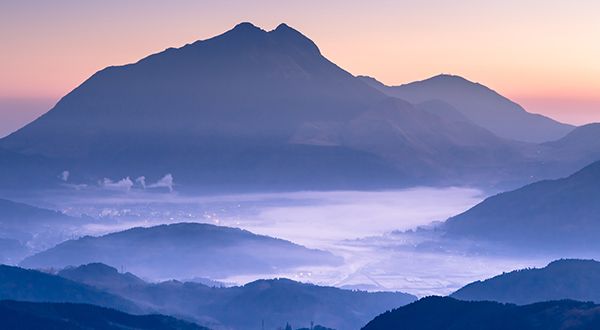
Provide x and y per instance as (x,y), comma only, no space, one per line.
(67,316)
(444,313)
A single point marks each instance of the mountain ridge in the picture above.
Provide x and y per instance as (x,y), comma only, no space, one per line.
(481,104)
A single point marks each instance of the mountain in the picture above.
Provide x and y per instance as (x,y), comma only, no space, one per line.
(274,302)
(246,83)
(255,110)
(25,229)
(217,111)
(555,215)
(183,250)
(443,313)
(481,105)
(67,316)
(29,285)
(561,279)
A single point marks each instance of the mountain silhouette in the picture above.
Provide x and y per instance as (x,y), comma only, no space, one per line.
(562,279)
(274,302)
(444,313)
(481,105)
(183,250)
(553,215)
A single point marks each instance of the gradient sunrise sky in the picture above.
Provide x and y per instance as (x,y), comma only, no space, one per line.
(543,54)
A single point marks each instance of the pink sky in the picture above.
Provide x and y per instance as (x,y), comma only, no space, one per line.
(542,54)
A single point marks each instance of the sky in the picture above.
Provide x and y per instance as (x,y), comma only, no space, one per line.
(542,54)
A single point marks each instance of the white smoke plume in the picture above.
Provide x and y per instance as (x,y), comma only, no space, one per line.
(123,184)
(141,181)
(165,182)
(65,175)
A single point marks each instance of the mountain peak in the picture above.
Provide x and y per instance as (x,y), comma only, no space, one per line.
(246,26)
(283,26)
(448,78)
(289,35)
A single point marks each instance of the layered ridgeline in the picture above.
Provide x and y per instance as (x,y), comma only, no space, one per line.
(549,216)
(444,313)
(270,302)
(68,316)
(184,250)
(561,279)
(481,105)
(34,300)
(25,229)
(253,109)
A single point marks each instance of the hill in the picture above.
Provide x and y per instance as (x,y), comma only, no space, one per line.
(443,313)
(561,279)
(183,250)
(554,215)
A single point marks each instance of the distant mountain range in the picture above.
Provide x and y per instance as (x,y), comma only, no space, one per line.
(481,105)
(554,215)
(561,279)
(274,302)
(184,250)
(444,313)
(253,110)
(68,316)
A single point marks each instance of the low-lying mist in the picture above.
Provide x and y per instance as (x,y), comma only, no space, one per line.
(371,230)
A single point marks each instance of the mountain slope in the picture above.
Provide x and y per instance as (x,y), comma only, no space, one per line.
(481,105)
(556,215)
(273,302)
(63,316)
(183,250)
(29,285)
(443,313)
(561,279)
